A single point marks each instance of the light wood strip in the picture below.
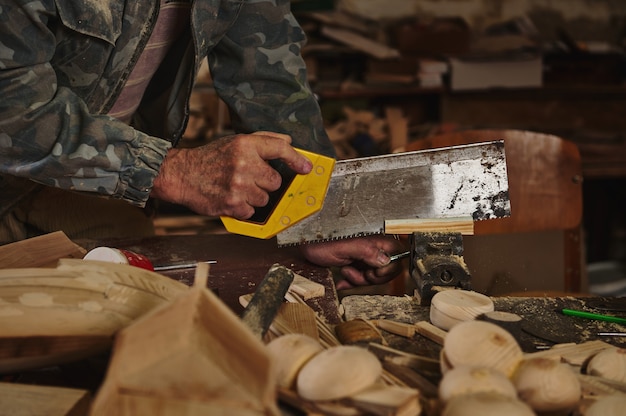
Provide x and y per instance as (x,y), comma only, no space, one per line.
(463,225)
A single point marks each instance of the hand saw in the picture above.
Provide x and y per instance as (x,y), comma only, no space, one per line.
(361,194)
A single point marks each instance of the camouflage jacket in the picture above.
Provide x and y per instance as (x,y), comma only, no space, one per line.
(64,62)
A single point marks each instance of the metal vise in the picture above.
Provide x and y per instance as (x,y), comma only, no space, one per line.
(436,261)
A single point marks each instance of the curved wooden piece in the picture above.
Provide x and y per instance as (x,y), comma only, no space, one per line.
(545,178)
(54,316)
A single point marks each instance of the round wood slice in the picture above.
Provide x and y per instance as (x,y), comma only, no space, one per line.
(450,307)
(290,352)
(338,372)
(466,379)
(486,404)
(479,343)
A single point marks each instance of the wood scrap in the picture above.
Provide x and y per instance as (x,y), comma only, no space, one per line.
(395,327)
(430,331)
(597,386)
(328,339)
(326,333)
(306,288)
(425,365)
(464,225)
(358,332)
(295,318)
(53,316)
(382,400)
(574,354)
(41,251)
(191,356)
(292,398)
(24,400)
(412,379)
(377,400)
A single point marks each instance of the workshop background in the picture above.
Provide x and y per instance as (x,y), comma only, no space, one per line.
(392,72)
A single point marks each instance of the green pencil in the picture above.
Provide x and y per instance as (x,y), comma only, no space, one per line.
(591,315)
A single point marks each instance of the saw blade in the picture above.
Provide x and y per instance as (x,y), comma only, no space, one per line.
(458,181)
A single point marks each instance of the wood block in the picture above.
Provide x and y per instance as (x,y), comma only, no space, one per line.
(464,226)
(193,356)
(296,318)
(395,327)
(358,332)
(306,288)
(430,331)
(42,251)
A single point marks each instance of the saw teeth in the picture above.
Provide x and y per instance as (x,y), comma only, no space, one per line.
(326,240)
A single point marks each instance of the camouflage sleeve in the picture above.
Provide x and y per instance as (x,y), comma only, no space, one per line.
(47,133)
(259,72)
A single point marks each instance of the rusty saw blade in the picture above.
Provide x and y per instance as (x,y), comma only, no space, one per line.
(458,181)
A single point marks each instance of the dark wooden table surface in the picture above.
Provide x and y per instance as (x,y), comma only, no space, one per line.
(241,264)
(542,326)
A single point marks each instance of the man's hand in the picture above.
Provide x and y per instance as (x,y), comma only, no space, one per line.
(363,261)
(229,176)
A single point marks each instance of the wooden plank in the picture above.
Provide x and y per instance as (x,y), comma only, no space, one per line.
(463,225)
(361,43)
(26,400)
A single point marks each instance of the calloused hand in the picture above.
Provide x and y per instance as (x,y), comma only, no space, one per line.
(229,176)
(363,261)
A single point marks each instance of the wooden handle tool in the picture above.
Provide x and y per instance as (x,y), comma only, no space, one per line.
(266,301)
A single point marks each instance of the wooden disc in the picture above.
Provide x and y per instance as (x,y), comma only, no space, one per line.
(289,353)
(450,307)
(338,372)
(466,379)
(479,343)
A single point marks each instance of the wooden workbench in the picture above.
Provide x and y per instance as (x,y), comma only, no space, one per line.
(542,326)
(241,264)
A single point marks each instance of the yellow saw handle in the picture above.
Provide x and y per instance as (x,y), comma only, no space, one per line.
(299,197)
